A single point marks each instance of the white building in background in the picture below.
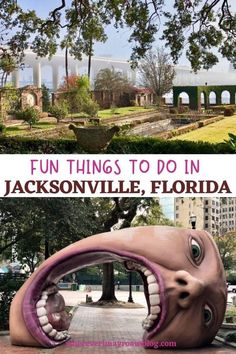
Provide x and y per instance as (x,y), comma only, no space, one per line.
(37,71)
(215,215)
(51,72)
(168,207)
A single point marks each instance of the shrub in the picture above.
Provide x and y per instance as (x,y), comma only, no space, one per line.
(59,110)
(2,128)
(113,109)
(91,108)
(8,287)
(45,98)
(231,278)
(173,110)
(231,143)
(119,145)
(132,103)
(229,111)
(29,115)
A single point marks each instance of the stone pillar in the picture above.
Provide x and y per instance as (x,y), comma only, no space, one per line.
(16,78)
(232,97)
(75,70)
(218,98)
(37,77)
(55,77)
(133,76)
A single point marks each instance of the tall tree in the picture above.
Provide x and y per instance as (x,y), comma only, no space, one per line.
(44,224)
(227,247)
(111,80)
(151,214)
(157,72)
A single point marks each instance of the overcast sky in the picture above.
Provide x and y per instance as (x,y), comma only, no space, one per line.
(117,44)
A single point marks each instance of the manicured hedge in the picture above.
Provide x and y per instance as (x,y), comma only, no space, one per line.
(140,145)
(9,284)
(119,145)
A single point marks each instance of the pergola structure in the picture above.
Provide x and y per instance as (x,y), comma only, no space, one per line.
(195,92)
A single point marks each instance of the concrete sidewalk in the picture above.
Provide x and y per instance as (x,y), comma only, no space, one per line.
(99,324)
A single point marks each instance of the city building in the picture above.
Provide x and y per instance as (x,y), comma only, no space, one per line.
(168,207)
(215,215)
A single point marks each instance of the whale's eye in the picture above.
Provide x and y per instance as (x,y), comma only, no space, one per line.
(208,315)
(196,251)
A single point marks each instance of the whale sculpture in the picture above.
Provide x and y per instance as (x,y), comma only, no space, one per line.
(183,278)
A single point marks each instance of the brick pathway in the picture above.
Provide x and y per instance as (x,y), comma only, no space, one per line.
(97,324)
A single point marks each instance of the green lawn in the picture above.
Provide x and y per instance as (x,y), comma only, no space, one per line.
(122,111)
(24,128)
(213,133)
(109,113)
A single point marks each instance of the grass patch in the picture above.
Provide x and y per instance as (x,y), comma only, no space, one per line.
(212,133)
(21,129)
(230,311)
(121,111)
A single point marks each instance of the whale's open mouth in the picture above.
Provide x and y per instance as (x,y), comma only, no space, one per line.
(152,294)
(43,307)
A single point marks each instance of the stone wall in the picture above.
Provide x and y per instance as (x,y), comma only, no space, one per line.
(31,96)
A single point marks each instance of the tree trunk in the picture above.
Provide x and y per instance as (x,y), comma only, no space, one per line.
(108,283)
(90,58)
(66,67)
(46,249)
(158,100)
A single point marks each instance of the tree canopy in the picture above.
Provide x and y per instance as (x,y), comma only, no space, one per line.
(198,28)
(227,249)
(157,72)
(111,80)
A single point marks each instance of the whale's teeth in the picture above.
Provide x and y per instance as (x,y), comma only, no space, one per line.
(151,279)
(155,310)
(147,272)
(154,299)
(47,328)
(53,333)
(66,334)
(41,303)
(153,288)
(41,311)
(60,336)
(44,297)
(147,323)
(43,320)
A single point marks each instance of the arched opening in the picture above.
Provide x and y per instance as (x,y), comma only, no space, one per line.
(225,97)
(169,99)
(212,98)
(47,78)
(31,99)
(203,99)
(183,99)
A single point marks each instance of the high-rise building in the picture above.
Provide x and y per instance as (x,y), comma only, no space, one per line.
(168,207)
(215,215)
